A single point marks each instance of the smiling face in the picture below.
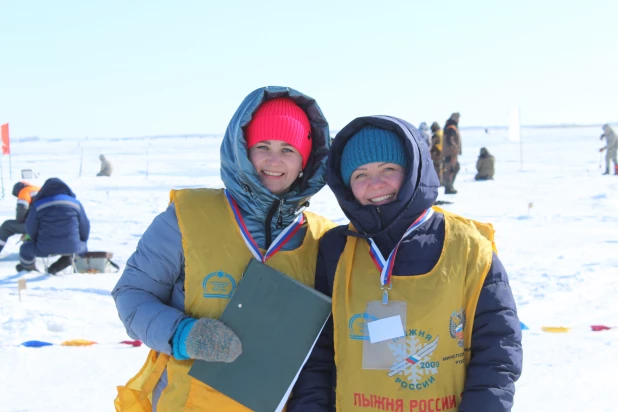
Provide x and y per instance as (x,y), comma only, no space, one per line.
(377,183)
(277,163)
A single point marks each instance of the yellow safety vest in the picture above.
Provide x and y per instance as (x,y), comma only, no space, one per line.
(440,312)
(440,135)
(215,257)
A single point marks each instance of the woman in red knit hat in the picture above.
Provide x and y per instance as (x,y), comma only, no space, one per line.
(190,260)
(279,142)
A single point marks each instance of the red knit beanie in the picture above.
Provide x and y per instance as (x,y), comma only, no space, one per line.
(281,119)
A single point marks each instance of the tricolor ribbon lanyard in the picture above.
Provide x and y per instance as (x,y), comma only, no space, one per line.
(281,240)
(386,266)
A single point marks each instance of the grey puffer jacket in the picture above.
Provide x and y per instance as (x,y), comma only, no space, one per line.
(610,138)
(150,293)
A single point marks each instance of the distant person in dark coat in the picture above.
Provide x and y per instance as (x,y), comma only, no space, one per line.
(436,149)
(57,225)
(106,166)
(451,149)
(484,166)
(462,337)
(612,148)
(24,192)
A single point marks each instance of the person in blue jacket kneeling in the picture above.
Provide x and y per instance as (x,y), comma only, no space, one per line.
(56,225)
(457,342)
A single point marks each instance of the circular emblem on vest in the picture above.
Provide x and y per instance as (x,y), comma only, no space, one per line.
(357,326)
(218,285)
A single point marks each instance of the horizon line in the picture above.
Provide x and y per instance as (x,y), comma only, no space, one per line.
(219,134)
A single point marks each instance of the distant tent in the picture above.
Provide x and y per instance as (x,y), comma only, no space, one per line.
(514,125)
(515,133)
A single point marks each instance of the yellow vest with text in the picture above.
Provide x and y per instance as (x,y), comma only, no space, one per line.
(215,258)
(440,312)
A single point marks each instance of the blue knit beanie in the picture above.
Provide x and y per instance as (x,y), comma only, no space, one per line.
(371,144)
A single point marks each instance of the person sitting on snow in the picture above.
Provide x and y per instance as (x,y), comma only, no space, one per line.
(485,165)
(24,192)
(106,166)
(57,225)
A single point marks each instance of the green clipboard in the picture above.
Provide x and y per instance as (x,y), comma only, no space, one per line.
(278,321)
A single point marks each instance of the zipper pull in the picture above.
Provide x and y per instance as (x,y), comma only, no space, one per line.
(280,217)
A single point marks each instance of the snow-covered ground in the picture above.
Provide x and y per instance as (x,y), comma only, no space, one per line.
(557,234)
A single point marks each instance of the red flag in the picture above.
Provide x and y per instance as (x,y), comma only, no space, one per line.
(134,343)
(6,142)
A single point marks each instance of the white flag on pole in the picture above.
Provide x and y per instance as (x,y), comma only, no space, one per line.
(514,126)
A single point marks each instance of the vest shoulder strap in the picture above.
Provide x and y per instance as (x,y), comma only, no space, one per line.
(318,225)
(485,230)
(195,194)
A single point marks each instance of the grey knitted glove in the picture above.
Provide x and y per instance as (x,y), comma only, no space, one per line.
(212,341)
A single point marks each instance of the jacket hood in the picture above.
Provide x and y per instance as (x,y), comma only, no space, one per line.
(54,186)
(387,223)
(239,175)
(484,152)
(450,122)
(18,187)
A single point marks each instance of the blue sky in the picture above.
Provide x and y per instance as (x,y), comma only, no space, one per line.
(119,68)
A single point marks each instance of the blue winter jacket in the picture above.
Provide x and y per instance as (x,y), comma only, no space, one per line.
(496,350)
(150,293)
(57,221)
(424,131)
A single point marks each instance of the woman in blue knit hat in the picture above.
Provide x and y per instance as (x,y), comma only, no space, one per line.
(423,315)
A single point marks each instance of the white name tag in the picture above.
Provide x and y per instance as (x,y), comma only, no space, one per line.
(384,329)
